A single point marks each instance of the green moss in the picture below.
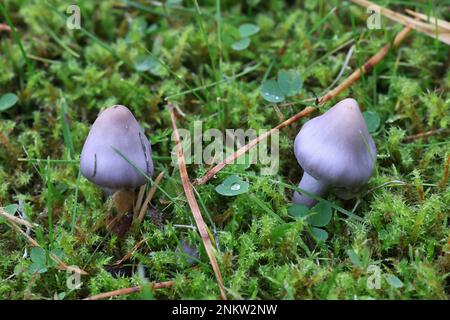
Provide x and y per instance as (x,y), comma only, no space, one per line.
(405,207)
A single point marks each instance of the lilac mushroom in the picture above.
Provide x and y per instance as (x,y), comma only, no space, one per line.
(334,149)
(116,129)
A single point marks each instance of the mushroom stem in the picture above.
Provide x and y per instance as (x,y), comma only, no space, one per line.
(311,185)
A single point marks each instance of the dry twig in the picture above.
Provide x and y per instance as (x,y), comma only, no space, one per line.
(15,219)
(150,195)
(424,134)
(201,225)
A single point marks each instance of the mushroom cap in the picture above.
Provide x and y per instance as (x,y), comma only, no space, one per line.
(116,128)
(336,147)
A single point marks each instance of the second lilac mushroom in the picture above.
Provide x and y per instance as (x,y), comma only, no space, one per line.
(334,150)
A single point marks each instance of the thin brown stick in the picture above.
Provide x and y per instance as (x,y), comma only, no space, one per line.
(423,134)
(4,27)
(15,219)
(290,104)
(150,195)
(33,242)
(139,200)
(374,60)
(201,225)
(120,292)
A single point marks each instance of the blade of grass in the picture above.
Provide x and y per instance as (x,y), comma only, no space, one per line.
(146,177)
(61,43)
(16,36)
(263,206)
(68,142)
(100,43)
(49,203)
(199,20)
(321,22)
(36,58)
(165,66)
(15,219)
(75,202)
(221,106)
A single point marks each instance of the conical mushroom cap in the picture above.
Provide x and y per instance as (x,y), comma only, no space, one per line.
(336,147)
(116,128)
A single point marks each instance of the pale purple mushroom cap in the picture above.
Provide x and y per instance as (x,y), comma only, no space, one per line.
(336,148)
(116,128)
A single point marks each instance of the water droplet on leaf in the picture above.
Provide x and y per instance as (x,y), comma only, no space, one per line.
(235,187)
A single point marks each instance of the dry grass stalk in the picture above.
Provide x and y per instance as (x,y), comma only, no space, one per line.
(15,219)
(124,291)
(139,200)
(34,243)
(201,225)
(150,195)
(432,30)
(129,254)
(4,27)
(441,23)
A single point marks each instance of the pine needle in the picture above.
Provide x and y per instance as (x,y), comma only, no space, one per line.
(201,225)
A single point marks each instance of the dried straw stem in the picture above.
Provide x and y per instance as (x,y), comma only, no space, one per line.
(201,225)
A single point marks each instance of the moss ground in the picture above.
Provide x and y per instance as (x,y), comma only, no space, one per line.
(70,75)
